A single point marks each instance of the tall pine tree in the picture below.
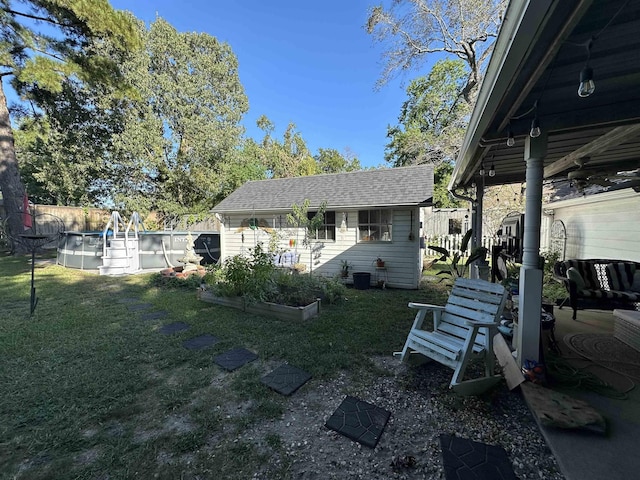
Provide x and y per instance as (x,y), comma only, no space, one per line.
(43,43)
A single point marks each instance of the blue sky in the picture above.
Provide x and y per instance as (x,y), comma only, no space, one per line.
(311,63)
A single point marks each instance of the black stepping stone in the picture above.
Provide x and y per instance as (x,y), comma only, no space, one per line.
(139,306)
(286,379)
(174,327)
(200,342)
(154,315)
(235,358)
(465,459)
(359,421)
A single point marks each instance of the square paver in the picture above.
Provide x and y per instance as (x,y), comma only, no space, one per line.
(465,459)
(135,307)
(200,342)
(360,421)
(174,327)
(235,358)
(154,315)
(286,379)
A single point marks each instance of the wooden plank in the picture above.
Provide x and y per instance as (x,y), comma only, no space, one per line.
(614,137)
(510,370)
(481,285)
(428,349)
(467,314)
(428,339)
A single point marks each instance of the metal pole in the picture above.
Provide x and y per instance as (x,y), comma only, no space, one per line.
(34,300)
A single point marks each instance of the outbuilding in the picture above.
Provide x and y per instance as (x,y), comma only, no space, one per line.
(369,215)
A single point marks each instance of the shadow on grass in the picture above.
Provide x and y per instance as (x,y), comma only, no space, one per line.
(91,389)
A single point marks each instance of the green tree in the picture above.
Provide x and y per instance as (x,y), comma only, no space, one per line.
(287,158)
(42,58)
(62,145)
(441,176)
(329,160)
(432,120)
(431,125)
(299,218)
(179,137)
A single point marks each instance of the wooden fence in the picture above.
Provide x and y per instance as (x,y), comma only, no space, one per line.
(77,219)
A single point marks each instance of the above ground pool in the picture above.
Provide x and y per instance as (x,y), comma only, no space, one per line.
(84,250)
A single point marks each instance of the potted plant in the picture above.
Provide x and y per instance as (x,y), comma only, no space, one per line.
(379,262)
(344,269)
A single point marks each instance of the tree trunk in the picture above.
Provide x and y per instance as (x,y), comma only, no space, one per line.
(10,183)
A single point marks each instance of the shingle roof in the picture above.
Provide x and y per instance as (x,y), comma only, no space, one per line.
(368,188)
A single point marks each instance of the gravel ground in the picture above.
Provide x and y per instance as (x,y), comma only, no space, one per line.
(422,408)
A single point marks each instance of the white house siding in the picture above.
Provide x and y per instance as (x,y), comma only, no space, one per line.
(606,225)
(402,256)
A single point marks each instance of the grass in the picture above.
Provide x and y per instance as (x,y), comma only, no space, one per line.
(92,391)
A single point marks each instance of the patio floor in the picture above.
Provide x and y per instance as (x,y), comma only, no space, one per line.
(586,455)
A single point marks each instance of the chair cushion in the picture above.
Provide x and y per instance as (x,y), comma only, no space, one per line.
(574,275)
(610,295)
(587,271)
(635,286)
(620,275)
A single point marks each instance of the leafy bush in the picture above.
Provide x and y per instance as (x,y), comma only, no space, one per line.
(248,277)
(192,282)
(551,288)
(256,279)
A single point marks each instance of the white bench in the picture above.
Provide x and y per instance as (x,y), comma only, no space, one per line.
(286,259)
(462,331)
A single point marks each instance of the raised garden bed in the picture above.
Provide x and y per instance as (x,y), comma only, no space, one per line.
(283,312)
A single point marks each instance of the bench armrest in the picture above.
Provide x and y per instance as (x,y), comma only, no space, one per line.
(422,313)
(425,306)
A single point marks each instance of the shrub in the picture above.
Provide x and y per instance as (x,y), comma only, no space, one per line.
(256,279)
(240,276)
(192,282)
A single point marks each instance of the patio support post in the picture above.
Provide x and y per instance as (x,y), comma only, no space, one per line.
(530,289)
(476,221)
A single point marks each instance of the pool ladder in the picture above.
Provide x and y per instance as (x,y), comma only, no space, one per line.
(121,256)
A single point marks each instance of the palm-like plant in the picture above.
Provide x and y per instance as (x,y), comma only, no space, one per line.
(455,268)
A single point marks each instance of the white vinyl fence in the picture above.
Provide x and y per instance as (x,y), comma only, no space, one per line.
(452,244)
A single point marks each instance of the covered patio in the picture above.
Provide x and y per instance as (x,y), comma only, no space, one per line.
(537,119)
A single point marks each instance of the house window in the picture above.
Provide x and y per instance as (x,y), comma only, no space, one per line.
(374,225)
(455,226)
(327,230)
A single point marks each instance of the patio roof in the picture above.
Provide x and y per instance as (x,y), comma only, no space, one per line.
(538,57)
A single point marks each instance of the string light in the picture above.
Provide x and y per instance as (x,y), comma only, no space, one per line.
(535,123)
(492,171)
(587,85)
(510,140)
(481,171)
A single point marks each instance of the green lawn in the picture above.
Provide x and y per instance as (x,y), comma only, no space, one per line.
(89,390)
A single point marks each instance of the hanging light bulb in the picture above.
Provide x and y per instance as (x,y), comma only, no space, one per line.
(492,171)
(510,140)
(535,127)
(481,171)
(587,85)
